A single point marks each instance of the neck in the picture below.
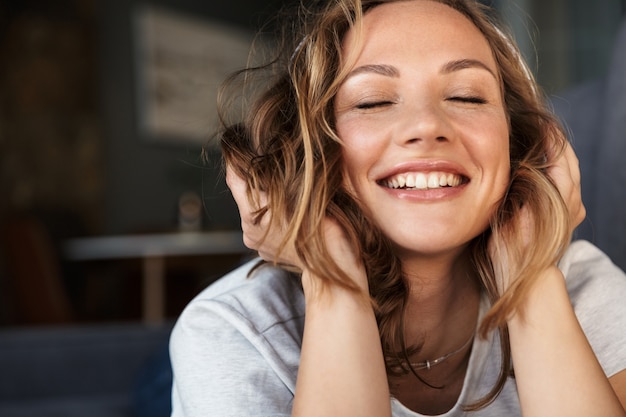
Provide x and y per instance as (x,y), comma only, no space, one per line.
(443,302)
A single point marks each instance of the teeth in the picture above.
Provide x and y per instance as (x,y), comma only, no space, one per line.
(433,181)
(453,180)
(423,181)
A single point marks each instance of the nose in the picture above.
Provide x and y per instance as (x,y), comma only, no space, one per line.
(425,124)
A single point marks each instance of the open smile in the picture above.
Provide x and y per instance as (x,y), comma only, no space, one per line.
(423,180)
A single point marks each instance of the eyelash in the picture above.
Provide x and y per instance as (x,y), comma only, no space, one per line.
(471,100)
(367,106)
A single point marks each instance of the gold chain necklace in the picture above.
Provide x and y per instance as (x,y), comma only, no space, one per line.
(417,366)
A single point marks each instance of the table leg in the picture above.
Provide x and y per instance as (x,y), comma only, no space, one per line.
(153,288)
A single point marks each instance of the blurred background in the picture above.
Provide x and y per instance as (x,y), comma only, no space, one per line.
(109,220)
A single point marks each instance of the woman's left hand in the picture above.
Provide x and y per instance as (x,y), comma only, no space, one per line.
(261,235)
(565,172)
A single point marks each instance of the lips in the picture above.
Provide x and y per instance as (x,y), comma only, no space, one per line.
(423,180)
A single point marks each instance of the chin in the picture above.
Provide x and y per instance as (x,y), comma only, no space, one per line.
(430,248)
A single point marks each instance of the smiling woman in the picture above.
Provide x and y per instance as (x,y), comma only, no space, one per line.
(436,111)
(410,197)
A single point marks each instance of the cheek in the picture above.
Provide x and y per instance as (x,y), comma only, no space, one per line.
(495,145)
(359,152)
(501,155)
(491,151)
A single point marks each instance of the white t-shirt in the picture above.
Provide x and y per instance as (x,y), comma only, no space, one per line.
(235,349)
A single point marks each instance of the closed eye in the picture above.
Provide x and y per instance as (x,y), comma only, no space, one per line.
(468,99)
(373,104)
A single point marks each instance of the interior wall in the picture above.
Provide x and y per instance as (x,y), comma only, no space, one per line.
(145,179)
(68,111)
(566,42)
(50,141)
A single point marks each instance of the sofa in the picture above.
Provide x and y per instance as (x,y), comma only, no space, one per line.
(99,370)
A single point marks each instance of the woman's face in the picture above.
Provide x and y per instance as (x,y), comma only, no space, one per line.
(424,127)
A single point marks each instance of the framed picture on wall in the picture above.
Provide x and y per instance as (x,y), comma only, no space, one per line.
(180,61)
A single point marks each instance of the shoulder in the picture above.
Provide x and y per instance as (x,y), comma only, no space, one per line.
(589,270)
(262,296)
(597,289)
(238,342)
(256,307)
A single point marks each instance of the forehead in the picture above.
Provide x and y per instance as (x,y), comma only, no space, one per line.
(422,27)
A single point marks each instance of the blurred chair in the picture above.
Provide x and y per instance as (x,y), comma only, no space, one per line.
(595,114)
(84,371)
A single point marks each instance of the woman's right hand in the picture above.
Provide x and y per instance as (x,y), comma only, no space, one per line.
(256,234)
(266,236)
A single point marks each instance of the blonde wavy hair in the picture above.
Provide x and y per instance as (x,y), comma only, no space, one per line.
(284,144)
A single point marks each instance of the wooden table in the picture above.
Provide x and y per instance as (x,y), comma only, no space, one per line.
(153,249)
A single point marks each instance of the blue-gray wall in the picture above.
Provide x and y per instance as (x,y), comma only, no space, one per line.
(143,178)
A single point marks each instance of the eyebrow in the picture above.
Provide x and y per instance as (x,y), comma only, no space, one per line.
(461,64)
(447,68)
(386,70)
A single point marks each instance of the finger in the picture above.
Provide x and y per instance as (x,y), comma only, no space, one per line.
(564,165)
(569,163)
(235,183)
(565,172)
(238,189)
